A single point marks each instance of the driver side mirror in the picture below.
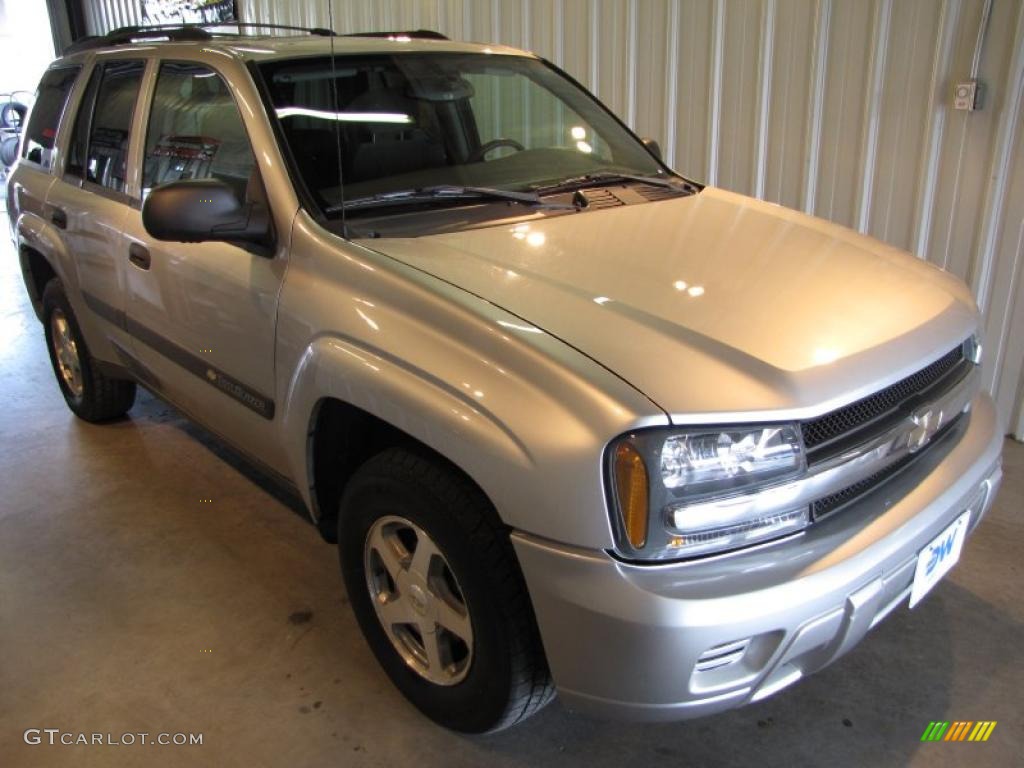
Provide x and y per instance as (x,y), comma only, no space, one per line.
(653,147)
(200,210)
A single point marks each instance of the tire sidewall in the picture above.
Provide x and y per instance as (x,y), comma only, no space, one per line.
(9,151)
(478,701)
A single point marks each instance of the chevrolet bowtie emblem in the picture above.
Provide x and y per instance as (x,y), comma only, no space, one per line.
(927,422)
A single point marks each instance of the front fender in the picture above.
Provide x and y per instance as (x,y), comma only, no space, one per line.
(524,415)
(413,400)
(541,468)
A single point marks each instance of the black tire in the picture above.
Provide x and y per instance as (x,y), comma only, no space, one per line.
(9,151)
(12,115)
(102,398)
(507,680)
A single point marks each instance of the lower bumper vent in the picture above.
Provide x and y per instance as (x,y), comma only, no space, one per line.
(721,655)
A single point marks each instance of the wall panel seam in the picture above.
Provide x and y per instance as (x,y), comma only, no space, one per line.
(949,18)
(715,111)
(764,96)
(872,112)
(526,20)
(671,83)
(815,104)
(631,46)
(558,31)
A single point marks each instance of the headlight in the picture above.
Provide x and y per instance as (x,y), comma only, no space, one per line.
(972,349)
(681,493)
(712,462)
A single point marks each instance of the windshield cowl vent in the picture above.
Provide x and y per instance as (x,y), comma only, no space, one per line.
(596,198)
(651,193)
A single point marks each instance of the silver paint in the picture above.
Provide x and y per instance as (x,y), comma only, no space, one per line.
(519,359)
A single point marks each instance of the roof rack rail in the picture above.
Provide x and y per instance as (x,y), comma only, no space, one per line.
(128,35)
(178,32)
(413,34)
(318,31)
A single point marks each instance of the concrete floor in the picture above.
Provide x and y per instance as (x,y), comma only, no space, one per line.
(127,604)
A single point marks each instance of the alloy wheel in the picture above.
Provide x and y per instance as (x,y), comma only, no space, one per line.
(66,352)
(418,600)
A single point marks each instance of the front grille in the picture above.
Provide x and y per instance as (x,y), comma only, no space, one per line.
(854,422)
(839,499)
(834,502)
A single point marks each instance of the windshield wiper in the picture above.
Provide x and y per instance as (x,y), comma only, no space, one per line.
(607,177)
(444,193)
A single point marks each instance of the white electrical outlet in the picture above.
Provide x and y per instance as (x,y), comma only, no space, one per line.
(967,95)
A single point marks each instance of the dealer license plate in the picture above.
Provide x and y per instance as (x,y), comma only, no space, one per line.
(941,554)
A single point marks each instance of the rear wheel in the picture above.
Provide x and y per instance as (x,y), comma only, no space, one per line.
(89,393)
(437,591)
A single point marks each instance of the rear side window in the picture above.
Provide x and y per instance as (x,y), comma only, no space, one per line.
(75,165)
(109,124)
(51,99)
(195,131)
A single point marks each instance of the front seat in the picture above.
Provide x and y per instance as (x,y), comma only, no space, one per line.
(391,148)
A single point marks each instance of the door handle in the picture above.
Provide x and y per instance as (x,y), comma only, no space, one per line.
(139,255)
(59,218)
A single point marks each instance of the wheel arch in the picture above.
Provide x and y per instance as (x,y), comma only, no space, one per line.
(37,272)
(40,255)
(339,414)
(342,437)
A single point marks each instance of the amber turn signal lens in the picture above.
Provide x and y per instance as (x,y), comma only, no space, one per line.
(631,489)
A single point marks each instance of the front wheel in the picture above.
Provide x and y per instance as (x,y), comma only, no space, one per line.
(437,591)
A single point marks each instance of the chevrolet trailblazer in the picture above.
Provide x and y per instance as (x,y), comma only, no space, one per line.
(576,423)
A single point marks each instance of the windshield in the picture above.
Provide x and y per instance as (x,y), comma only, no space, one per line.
(421,120)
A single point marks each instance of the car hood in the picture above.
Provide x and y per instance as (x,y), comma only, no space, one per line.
(715,306)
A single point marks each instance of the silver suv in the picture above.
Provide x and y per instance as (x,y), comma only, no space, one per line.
(574,421)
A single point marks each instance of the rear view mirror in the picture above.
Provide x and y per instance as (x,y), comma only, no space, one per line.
(197,210)
(440,88)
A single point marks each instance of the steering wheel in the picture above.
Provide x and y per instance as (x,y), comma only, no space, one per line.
(492,145)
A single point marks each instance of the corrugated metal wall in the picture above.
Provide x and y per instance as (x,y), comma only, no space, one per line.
(104,15)
(841,108)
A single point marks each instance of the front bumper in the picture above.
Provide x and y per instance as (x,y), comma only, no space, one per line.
(670,642)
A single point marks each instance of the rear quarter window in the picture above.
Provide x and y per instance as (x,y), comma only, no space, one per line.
(51,99)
